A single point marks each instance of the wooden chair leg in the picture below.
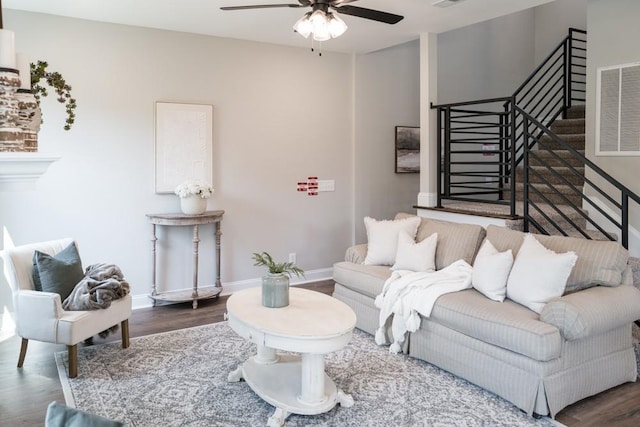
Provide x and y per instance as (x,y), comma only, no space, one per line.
(23,352)
(73,360)
(124,325)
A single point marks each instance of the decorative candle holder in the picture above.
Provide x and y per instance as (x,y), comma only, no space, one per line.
(29,119)
(11,136)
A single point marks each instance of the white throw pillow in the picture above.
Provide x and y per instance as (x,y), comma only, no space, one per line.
(382,238)
(491,271)
(414,256)
(538,274)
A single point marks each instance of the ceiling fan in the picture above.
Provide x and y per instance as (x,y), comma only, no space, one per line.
(323,23)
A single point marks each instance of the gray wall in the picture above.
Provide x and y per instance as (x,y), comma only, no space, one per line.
(613,39)
(387,94)
(485,60)
(281,114)
(492,58)
(552,21)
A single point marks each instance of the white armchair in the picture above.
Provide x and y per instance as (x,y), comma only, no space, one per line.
(39,315)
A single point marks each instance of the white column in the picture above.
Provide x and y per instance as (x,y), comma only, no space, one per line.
(428,131)
(266,355)
(312,388)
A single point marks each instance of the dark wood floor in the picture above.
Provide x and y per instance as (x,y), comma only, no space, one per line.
(25,393)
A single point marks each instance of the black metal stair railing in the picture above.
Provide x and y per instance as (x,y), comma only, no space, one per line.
(616,196)
(556,85)
(474,147)
(480,143)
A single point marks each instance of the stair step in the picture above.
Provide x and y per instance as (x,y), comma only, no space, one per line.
(575,141)
(561,222)
(552,160)
(550,193)
(576,112)
(544,174)
(593,234)
(568,126)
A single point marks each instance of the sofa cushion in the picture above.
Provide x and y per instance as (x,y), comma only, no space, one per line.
(415,256)
(504,324)
(455,240)
(538,274)
(356,253)
(593,311)
(491,271)
(599,262)
(382,238)
(364,279)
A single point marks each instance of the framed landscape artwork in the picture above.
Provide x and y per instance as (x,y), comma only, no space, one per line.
(407,149)
(184,144)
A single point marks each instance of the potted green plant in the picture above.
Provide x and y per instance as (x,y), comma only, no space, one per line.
(39,76)
(275,285)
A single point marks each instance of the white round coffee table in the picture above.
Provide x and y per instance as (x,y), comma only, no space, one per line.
(313,324)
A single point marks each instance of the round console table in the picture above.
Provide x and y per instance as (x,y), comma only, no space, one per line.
(179,219)
(313,324)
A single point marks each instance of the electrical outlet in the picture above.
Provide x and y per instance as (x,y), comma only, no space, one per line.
(292,257)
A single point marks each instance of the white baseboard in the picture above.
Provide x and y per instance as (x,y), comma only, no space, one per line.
(143,301)
(634,234)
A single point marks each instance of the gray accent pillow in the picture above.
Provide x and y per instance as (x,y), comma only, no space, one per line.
(59,273)
(59,415)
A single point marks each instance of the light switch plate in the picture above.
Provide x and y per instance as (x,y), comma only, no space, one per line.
(326,185)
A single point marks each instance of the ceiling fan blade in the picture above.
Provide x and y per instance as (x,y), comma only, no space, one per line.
(339,2)
(262,6)
(375,15)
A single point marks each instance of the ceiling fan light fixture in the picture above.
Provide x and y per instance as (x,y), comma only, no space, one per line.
(303,26)
(337,26)
(320,25)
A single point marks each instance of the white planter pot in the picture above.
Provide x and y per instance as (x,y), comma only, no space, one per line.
(193,205)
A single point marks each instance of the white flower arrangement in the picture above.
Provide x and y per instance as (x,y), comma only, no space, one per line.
(194,188)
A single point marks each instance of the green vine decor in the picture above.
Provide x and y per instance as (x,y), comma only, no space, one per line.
(56,81)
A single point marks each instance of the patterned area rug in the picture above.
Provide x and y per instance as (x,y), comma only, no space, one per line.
(179,378)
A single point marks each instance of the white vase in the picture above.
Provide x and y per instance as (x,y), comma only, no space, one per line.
(193,205)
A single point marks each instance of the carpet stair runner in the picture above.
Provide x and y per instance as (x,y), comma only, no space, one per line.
(547,182)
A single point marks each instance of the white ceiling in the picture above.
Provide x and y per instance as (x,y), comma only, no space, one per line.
(275,25)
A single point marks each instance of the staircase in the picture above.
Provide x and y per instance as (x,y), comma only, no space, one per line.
(571,130)
(521,158)
(549,173)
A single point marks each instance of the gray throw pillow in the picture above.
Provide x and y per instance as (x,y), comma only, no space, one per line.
(59,415)
(59,273)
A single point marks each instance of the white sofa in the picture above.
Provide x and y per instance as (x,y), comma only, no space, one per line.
(579,345)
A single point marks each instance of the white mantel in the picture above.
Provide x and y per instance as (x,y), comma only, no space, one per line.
(20,171)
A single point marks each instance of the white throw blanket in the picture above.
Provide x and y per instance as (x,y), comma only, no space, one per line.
(407,294)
